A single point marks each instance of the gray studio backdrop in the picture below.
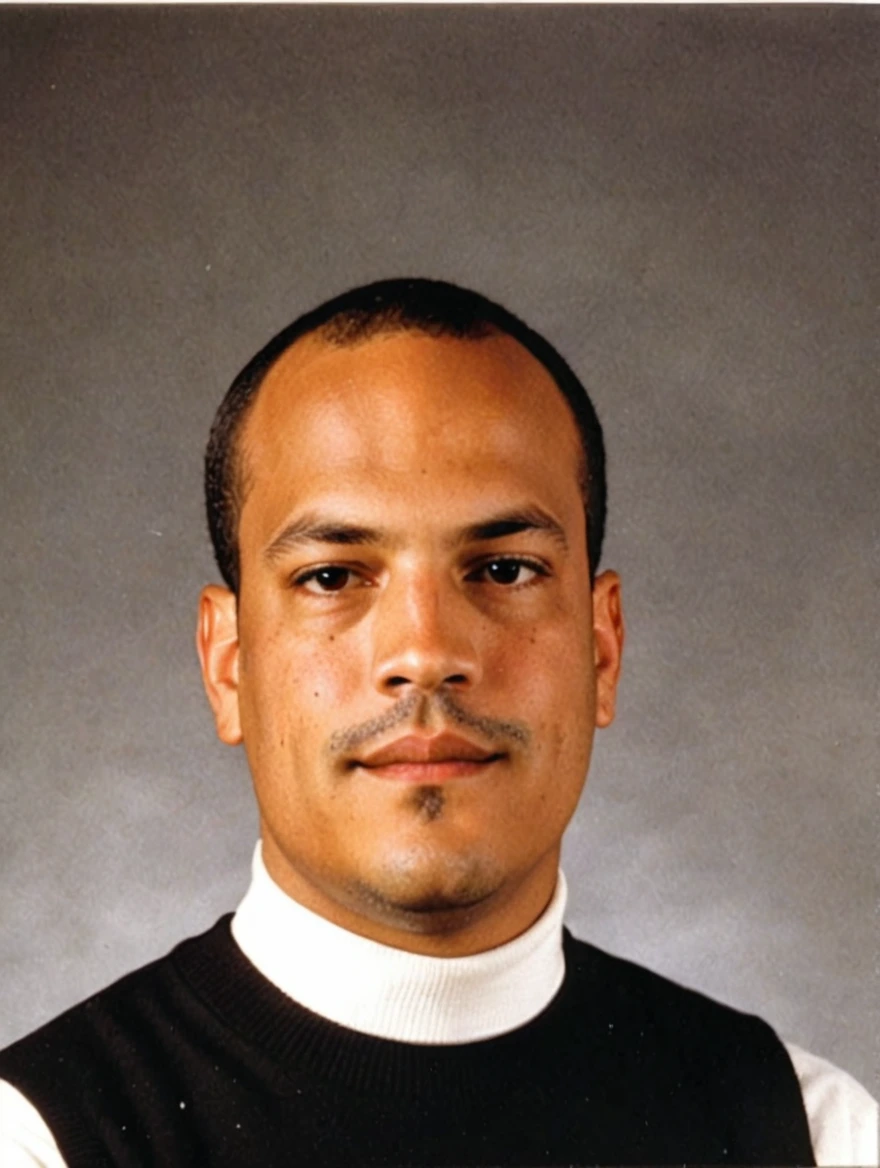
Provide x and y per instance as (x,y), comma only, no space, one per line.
(685,200)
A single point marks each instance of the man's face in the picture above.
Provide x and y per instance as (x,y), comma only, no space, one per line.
(417,663)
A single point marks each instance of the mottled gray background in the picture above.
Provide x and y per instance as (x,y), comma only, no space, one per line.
(685,200)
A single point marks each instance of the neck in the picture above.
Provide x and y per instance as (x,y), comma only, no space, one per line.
(393,993)
(439,930)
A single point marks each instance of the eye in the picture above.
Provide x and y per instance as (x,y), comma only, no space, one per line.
(330,578)
(509,571)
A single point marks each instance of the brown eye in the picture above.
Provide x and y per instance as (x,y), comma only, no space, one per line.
(509,571)
(329,579)
(504,571)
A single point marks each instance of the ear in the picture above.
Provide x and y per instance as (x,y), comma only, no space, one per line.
(217,646)
(608,635)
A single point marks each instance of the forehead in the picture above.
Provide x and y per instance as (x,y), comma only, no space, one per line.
(401,410)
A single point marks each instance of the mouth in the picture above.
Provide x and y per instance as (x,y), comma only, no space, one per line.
(416,759)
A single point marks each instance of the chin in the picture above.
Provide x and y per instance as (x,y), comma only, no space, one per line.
(428,891)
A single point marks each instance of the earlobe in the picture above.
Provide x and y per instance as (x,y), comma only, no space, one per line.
(608,637)
(217,646)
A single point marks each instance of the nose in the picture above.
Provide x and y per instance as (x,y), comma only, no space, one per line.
(423,636)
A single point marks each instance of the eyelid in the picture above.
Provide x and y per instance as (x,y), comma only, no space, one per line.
(363,577)
(531,562)
(301,577)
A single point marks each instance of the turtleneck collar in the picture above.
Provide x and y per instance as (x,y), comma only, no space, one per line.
(390,993)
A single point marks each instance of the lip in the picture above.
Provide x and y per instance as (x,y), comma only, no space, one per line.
(416,758)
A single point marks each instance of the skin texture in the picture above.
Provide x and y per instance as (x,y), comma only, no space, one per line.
(372,610)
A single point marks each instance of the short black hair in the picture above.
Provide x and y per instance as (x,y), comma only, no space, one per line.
(433,307)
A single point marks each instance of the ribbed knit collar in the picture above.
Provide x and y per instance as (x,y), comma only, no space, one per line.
(392,994)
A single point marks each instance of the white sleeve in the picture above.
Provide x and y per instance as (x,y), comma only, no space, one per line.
(843,1117)
(25,1141)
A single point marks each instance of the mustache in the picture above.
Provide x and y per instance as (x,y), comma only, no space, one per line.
(419,707)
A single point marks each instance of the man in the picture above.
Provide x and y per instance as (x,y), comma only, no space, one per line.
(406,497)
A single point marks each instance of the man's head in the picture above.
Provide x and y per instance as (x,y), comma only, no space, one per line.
(411,647)
(432,307)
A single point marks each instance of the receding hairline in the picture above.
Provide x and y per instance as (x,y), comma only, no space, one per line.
(341,333)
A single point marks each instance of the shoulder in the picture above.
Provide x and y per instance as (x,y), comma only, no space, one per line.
(645,995)
(118,1017)
(25,1139)
(843,1116)
(680,1033)
(91,1061)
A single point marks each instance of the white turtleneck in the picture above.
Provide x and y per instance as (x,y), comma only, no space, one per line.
(391,993)
(409,997)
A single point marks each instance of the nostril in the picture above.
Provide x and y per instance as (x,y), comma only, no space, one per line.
(398,680)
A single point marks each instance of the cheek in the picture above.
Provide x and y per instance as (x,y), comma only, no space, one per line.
(294,684)
(550,669)
(558,699)
(323,681)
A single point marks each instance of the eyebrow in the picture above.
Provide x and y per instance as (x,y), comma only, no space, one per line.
(311,529)
(512,523)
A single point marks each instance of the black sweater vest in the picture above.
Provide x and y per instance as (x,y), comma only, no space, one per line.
(197,1060)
